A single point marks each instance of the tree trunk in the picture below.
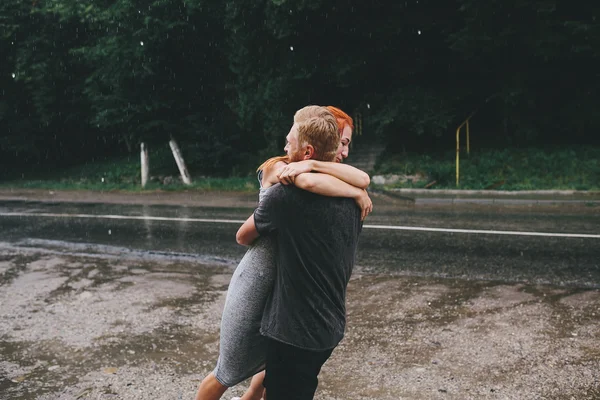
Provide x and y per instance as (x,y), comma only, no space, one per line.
(185,175)
(145,164)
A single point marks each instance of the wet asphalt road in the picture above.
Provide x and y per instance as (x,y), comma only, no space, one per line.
(509,258)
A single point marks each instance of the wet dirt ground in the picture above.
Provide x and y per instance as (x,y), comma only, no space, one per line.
(117,326)
(128,309)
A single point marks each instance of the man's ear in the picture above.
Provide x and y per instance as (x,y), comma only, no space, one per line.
(309,152)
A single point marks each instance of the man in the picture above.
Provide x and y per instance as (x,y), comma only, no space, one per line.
(305,315)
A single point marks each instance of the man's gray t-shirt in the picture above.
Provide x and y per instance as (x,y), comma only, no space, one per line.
(317,238)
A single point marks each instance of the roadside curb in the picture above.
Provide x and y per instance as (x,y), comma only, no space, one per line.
(515,202)
(493,197)
(217,199)
(500,193)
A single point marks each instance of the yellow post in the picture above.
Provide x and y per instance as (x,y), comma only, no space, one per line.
(457,155)
(360,123)
(466,122)
(468,140)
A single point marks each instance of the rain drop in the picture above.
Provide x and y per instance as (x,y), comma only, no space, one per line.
(109,232)
(368,106)
(292,48)
(141,43)
(419,32)
(14,75)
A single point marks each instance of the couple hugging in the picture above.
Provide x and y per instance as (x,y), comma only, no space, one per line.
(285,308)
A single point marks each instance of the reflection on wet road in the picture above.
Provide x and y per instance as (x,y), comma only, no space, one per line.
(470,255)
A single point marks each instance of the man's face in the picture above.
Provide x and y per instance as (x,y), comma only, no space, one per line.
(292,148)
(344,146)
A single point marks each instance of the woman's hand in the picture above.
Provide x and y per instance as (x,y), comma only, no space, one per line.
(288,173)
(363,201)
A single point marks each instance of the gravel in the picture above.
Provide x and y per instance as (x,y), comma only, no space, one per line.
(91,327)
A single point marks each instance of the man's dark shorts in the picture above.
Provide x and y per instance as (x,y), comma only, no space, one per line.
(291,372)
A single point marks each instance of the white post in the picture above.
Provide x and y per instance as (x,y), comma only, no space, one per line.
(185,176)
(145,164)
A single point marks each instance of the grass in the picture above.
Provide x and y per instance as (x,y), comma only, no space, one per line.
(218,184)
(124,174)
(572,168)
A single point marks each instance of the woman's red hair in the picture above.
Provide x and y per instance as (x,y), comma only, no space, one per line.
(342,118)
(272,161)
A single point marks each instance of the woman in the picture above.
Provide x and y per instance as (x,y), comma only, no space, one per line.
(242,348)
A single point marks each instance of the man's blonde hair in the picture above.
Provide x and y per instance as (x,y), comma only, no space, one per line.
(318,127)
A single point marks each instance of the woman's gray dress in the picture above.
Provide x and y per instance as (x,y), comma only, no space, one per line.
(242,349)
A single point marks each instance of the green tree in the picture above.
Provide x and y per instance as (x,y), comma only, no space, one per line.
(536,55)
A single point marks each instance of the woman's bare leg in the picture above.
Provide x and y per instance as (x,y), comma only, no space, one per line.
(256,389)
(210,389)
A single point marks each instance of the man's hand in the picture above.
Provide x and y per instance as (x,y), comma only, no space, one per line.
(287,175)
(363,201)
